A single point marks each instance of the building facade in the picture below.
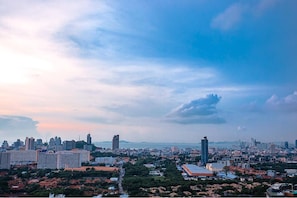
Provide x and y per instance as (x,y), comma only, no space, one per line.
(47,160)
(204,151)
(30,143)
(21,157)
(68,145)
(5,160)
(84,155)
(115,142)
(60,159)
(68,159)
(89,139)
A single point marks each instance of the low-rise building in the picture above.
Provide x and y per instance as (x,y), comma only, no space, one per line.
(215,167)
(196,171)
(105,160)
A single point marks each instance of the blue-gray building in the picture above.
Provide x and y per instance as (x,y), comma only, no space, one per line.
(204,151)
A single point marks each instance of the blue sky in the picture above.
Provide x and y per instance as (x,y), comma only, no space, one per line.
(172,71)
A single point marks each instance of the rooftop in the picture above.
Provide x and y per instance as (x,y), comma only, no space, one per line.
(194,170)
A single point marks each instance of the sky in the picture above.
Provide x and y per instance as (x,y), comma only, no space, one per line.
(154,71)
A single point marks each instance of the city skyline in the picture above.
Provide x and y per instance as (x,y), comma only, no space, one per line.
(169,72)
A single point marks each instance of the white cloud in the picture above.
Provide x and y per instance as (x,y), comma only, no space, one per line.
(237,12)
(288,103)
(229,18)
(264,5)
(44,77)
(12,126)
(241,128)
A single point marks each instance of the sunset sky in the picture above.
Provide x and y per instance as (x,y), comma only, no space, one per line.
(156,71)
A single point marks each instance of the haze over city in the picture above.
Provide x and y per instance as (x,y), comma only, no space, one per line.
(158,71)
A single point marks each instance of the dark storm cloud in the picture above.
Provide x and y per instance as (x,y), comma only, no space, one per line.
(200,111)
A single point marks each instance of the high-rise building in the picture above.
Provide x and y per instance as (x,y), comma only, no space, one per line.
(5,144)
(38,143)
(17,144)
(115,142)
(295,143)
(58,141)
(204,150)
(89,139)
(68,145)
(30,143)
(286,144)
(272,149)
(55,142)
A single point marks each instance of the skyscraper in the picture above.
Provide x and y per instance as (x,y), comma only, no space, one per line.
(115,142)
(17,144)
(30,143)
(5,144)
(295,143)
(89,139)
(204,150)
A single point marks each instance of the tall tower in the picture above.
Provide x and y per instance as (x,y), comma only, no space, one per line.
(204,150)
(89,139)
(115,142)
(30,143)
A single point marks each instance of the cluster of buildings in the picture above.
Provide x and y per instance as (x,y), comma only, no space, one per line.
(52,155)
(205,169)
(44,159)
(237,161)
(54,144)
(282,190)
(225,163)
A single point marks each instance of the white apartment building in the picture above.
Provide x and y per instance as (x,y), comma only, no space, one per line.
(60,159)
(5,160)
(20,157)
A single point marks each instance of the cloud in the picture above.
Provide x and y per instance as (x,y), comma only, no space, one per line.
(17,123)
(236,12)
(241,128)
(98,120)
(200,111)
(17,126)
(229,18)
(288,103)
(264,5)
